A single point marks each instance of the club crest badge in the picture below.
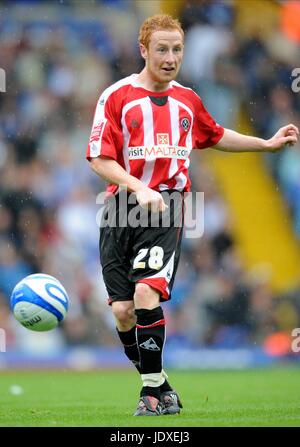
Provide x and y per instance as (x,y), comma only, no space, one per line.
(185,124)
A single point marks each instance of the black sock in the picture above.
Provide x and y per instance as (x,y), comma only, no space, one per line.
(151,391)
(150,333)
(156,391)
(165,387)
(129,342)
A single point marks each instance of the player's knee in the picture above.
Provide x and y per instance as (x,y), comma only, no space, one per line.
(124,314)
(145,297)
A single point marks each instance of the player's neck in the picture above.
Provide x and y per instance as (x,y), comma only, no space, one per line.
(145,81)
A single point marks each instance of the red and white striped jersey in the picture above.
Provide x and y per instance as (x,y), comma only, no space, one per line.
(152,134)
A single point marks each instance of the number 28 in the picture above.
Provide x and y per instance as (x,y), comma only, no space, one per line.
(155,260)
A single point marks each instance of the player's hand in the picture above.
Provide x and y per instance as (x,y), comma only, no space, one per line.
(150,199)
(285,135)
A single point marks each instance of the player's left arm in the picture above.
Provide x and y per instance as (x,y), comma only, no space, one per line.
(232,141)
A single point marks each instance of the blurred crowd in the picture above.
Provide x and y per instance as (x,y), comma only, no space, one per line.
(58,59)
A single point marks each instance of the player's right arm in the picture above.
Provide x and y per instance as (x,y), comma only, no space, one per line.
(112,172)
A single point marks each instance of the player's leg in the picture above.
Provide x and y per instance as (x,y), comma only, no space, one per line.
(114,244)
(150,334)
(154,264)
(126,328)
(151,338)
(123,310)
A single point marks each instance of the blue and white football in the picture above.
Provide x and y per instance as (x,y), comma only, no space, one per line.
(39,302)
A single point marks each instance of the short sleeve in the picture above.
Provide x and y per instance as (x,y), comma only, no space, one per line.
(206,132)
(106,136)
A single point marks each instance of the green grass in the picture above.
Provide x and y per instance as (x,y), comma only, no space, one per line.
(101,398)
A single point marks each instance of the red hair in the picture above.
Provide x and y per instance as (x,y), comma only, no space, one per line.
(158,22)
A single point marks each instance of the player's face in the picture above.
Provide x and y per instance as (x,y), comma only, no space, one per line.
(164,55)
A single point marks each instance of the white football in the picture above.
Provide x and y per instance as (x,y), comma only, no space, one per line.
(39,302)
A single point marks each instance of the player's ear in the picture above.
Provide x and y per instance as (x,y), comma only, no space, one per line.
(144,51)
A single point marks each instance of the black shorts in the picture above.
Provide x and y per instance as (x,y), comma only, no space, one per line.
(137,246)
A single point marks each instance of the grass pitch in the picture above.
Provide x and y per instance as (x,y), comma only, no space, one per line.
(108,398)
